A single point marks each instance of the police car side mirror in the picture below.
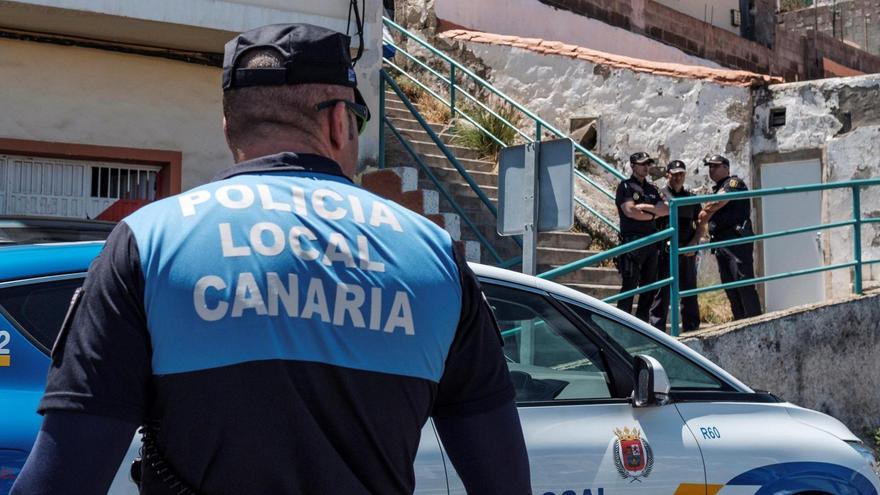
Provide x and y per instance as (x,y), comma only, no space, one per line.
(651,383)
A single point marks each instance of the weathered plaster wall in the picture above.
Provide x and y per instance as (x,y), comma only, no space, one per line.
(114,99)
(108,98)
(840,119)
(822,357)
(518,17)
(669,117)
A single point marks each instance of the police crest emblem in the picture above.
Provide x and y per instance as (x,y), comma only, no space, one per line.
(636,196)
(733,183)
(632,454)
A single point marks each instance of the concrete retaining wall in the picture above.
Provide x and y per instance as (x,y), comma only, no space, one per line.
(824,357)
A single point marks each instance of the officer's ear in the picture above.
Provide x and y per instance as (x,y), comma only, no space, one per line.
(340,126)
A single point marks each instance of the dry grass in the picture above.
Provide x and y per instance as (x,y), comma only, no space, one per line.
(432,109)
(714,307)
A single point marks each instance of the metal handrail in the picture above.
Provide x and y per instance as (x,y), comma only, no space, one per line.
(540,124)
(856,223)
(482,239)
(440,144)
(672,233)
(385,79)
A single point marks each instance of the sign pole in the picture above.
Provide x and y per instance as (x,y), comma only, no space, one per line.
(530,204)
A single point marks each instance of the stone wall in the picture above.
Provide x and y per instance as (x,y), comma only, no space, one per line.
(839,121)
(669,117)
(855,21)
(823,357)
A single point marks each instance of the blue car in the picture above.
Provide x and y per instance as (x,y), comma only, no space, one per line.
(690,427)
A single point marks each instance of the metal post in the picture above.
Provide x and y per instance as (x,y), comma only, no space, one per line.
(857,239)
(530,203)
(675,317)
(451,91)
(381,123)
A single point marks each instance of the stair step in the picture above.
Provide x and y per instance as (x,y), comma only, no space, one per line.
(591,275)
(430,147)
(451,174)
(412,126)
(564,240)
(460,189)
(440,160)
(561,256)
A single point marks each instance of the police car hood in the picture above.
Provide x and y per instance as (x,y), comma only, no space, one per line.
(822,422)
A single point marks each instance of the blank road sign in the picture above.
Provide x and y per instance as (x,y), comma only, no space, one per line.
(555,188)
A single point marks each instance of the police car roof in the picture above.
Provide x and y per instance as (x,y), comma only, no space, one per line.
(38,260)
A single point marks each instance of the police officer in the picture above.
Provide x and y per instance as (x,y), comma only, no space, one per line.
(279,330)
(687,263)
(731,220)
(638,205)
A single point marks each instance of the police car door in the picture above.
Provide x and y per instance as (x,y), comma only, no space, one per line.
(583,435)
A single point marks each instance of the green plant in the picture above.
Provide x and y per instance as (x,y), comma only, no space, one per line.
(471,136)
(714,307)
(875,437)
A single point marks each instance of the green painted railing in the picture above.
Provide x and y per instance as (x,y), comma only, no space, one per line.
(457,73)
(385,79)
(856,223)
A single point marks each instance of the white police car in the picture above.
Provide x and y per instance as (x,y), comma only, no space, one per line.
(691,429)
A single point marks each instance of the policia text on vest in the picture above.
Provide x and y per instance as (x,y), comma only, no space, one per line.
(280,292)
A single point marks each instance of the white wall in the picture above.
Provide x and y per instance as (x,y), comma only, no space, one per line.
(532,19)
(670,118)
(106,98)
(715,12)
(88,96)
(815,121)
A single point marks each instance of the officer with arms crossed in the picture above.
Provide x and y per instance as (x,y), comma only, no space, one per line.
(730,220)
(638,204)
(676,173)
(279,330)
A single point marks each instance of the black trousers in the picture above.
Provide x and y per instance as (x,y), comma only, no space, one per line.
(737,263)
(687,279)
(638,268)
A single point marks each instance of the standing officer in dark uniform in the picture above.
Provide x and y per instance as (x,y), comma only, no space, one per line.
(730,220)
(279,329)
(638,204)
(687,264)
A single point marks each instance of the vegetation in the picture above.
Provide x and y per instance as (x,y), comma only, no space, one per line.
(471,136)
(788,5)
(432,109)
(714,307)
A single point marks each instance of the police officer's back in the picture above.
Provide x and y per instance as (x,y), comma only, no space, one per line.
(279,330)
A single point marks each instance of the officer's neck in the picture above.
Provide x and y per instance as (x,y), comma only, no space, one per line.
(721,181)
(640,181)
(258,148)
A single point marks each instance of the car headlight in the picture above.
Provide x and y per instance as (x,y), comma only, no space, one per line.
(868,455)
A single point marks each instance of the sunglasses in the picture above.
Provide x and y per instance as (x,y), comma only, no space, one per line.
(361,112)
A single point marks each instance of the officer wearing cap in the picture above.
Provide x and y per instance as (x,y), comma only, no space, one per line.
(638,205)
(687,263)
(277,330)
(727,220)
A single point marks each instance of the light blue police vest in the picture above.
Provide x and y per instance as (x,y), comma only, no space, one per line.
(298,266)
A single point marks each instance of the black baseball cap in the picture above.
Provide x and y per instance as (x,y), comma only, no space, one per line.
(676,167)
(310,54)
(640,158)
(716,160)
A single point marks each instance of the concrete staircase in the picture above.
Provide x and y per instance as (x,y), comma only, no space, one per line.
(554,249)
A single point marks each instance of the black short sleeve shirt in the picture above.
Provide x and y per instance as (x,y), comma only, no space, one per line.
(734,213)
(289,332)
(639,193)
